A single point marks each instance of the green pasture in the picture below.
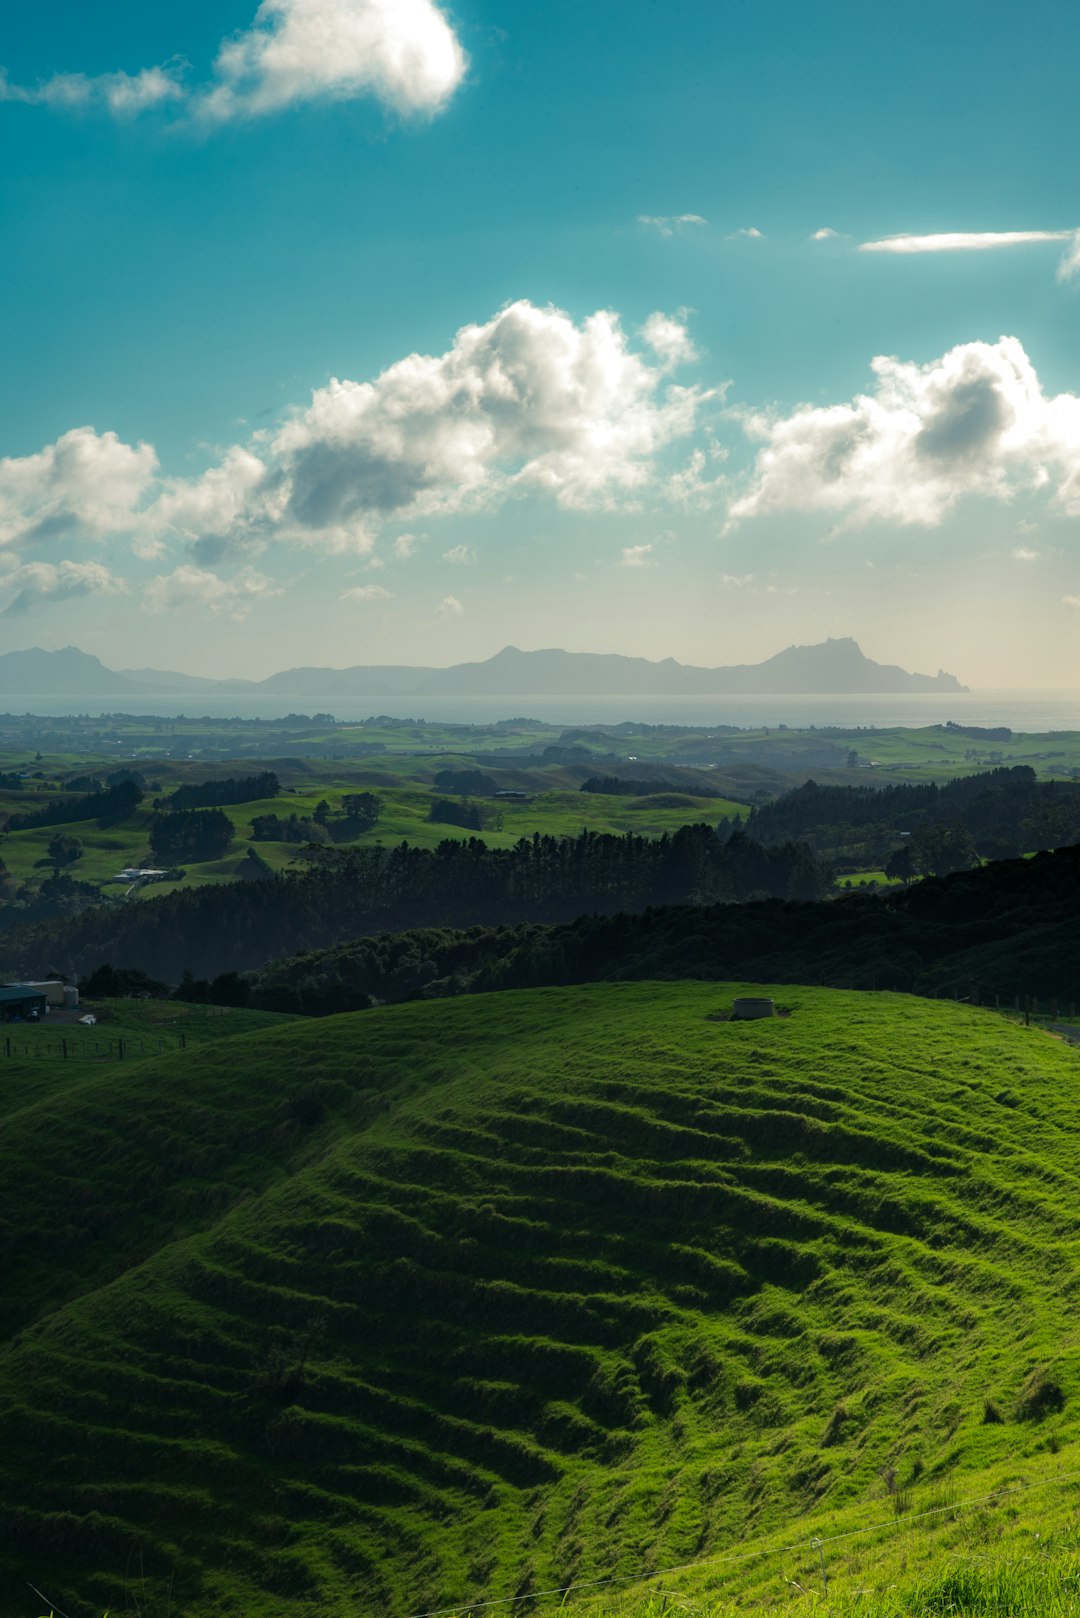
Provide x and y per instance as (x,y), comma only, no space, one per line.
(462,1300)
(555,810)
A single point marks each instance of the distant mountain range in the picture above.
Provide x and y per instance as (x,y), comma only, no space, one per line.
(832,667)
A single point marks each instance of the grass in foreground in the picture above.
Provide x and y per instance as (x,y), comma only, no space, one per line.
(455,1301)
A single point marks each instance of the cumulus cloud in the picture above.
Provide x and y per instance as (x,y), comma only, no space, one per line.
(1023,553)
(34,582)
(448,609)
(750,231)
(189,586)
(669,339)
(826,233)
(87,484)
(636,556)
(402,52)
(460,555)
(670,224)
(527,402)
(974,422)
(366,592)
(1071,601)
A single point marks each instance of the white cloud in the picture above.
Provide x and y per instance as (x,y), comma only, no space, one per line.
(527,402)
(669,339)
(40,581)
(85,485)
(366,592)
(963,241)
(974,422)
(448,609)
(1023,554)
(461,556)
(982,241)
(1070,262)
(227,507)
(188,586)
(1071,601)
(636,556)
(749,231)
(825,234)
(124,94)
(670,224)
(404,52)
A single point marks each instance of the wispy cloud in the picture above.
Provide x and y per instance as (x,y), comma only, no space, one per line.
(749,232)
(460,556)
(448,609)
(122,94)
(636,556)
(825,234)
(1022,553)
(189,586)
(670,224)
(980,241)
(366,592)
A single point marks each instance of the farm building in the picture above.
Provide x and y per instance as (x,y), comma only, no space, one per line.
(21,1003)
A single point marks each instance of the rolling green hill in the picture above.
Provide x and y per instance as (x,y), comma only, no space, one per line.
(454,1300)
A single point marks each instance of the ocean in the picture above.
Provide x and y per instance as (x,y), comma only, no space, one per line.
(1020,710)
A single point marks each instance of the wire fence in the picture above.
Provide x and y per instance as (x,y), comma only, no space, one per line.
(813,1542)
(85,1049)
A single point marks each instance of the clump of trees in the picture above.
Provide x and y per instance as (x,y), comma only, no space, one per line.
(190,834)
(110,807)
(466,783)
(463,812)
(212,794)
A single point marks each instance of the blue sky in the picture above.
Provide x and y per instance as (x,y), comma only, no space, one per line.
(205,221)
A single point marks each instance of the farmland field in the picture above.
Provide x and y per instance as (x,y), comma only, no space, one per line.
(449,1301)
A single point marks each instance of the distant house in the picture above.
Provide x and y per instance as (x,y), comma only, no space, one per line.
(517,797)
(20,1003)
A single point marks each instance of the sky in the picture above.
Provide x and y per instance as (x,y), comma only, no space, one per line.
(348,331)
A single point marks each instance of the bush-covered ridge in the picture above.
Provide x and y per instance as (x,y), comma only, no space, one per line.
(394,1311)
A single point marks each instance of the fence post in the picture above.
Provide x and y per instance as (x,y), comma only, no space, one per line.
(63,1046)
(120,1050)
(819,1546)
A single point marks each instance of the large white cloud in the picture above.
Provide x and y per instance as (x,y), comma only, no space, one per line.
(974,422)
(527,401)
(87,484)
(403,52)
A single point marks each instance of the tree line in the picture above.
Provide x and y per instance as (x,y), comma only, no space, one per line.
(353,891)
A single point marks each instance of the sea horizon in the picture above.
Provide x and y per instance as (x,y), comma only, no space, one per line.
(1031,711)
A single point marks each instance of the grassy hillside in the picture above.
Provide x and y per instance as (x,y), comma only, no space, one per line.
(448,1300)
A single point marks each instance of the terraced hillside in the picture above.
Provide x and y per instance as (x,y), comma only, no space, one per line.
(394,1310)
